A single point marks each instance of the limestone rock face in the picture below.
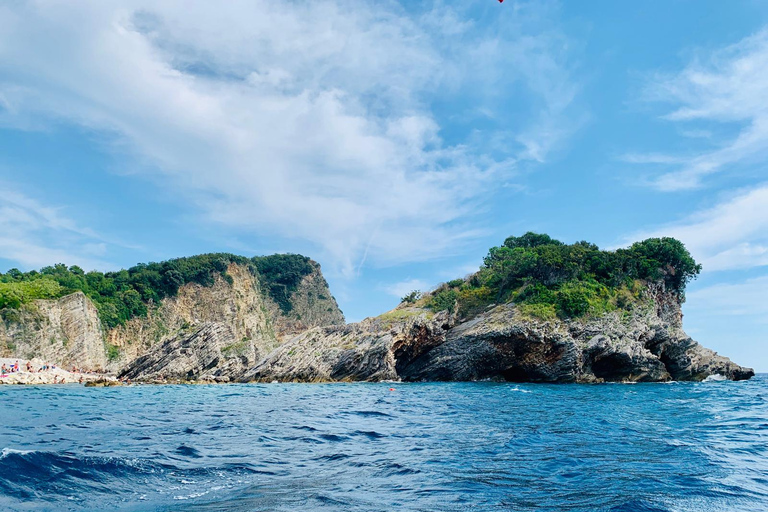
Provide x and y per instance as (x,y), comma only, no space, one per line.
(235,315)
(219,331)
(210,351)
(66,332)
(644,345)
(239,304)
(312,306)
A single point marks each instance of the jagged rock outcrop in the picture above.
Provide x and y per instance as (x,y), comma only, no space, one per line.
(646,344)
(312,305)
(210,352)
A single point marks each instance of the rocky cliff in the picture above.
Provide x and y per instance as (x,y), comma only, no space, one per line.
(66,332)
(239,328)
(413,344)
(235,316)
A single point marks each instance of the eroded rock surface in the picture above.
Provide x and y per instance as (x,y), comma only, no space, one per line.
(233,331)
(235,316)
(66,332)
(646,344)
(210,351)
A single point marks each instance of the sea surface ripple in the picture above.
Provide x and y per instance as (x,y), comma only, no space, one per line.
(422,447)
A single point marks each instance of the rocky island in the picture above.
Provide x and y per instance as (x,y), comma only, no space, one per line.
(537,310)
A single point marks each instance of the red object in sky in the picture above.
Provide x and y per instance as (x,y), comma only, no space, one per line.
(501,1)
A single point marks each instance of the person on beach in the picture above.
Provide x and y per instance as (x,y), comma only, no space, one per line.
(4,370)
(29,367)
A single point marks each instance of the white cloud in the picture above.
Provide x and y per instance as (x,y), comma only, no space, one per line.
(35,235)
(748,298)
(731,235)
(308,120)
(403,288)
(728,87)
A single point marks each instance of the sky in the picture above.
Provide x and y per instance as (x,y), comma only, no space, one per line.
(393,142)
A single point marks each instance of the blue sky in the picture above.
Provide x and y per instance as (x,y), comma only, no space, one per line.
(392,142)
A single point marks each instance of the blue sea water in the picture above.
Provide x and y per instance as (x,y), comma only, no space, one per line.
(362,447)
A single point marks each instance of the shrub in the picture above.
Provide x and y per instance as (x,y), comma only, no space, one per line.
(281,275)
(575,279)
(573,301)
(113,352)
(412,297)
(444,299)
(15,293)
(474,300)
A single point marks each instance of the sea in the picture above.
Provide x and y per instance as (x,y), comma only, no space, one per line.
(480,446)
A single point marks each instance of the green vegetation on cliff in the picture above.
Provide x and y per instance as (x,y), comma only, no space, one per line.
(120,296)
(281,274)
(549,278)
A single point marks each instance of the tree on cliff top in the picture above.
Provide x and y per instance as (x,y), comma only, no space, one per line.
(570,280)
(127,293)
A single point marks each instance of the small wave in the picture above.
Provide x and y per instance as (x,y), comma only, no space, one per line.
(25,474)
(369,434)
(639,506)
(11,451)
(331,458)
(28,475)
(191,496)
(332,438)
(188,451)
(368,414)
(394,468)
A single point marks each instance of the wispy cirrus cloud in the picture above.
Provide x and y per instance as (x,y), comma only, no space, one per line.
(309,120)
(727,87)
(403,288)
(747,298)
(36,235)
(732,234)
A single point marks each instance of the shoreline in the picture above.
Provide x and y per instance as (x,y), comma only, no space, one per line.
(57,375)
(51,375)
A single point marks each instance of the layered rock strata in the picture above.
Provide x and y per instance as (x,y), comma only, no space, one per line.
(646,344)
(234,315)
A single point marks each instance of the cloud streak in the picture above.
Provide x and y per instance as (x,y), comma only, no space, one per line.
(747,298)
(304,120)
(727,88)
(733,234)
(36,235)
